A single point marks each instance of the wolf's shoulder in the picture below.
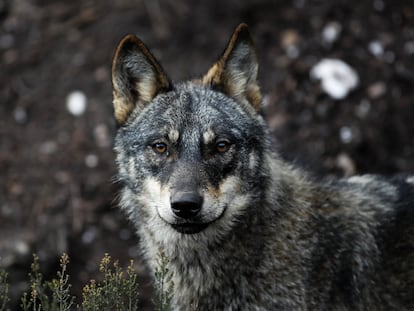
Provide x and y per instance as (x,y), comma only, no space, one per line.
(386,205)
(397,190)
(374,199)
(365,224)
(377,188)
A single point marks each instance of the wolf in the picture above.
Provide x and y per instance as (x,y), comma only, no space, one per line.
(243,229)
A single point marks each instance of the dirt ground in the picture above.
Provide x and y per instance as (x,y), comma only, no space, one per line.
(56,169)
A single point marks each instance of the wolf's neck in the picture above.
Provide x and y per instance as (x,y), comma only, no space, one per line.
(203,274)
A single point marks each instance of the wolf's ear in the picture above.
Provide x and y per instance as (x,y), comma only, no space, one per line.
(235,73)
(137,77)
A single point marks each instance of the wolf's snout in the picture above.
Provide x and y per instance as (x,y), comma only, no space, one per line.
(186,204)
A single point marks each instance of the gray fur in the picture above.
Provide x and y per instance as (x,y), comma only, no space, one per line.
(272,238)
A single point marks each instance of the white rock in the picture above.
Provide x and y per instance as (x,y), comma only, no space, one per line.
(345,134)
(91,160)
(76,103)
(89,236)
(337,77)
(20,115)
(331,32)
(21,247)
(376,48)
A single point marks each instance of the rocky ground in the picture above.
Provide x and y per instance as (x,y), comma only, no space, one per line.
(57,163)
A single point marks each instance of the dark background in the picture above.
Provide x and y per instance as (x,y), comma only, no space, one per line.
(54,198)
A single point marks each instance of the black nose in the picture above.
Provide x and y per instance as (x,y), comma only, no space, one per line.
(186,204)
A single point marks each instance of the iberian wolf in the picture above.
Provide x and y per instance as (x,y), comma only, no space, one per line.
(241,228)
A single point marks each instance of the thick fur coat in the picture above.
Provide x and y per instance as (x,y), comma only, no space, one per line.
(242,229)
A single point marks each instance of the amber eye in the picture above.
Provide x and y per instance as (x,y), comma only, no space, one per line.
(160,148)
(222,146)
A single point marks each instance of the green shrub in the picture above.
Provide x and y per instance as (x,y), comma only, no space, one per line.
(117,291)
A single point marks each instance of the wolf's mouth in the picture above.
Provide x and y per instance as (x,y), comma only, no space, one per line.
(189,228)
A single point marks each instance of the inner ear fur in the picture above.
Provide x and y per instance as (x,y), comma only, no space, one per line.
(137,77)
(235,72)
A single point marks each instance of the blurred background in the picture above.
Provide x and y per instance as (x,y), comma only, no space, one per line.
(56,127)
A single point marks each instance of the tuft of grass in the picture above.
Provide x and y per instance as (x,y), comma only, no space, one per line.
(60,287)
(164,284)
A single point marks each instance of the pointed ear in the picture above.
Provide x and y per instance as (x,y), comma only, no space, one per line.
(235,73)
(137,77)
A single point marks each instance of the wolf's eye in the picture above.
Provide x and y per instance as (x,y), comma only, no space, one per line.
(159,148)
(222,146)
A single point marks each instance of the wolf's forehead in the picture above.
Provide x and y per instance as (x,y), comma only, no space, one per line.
(181,106)
(197,116)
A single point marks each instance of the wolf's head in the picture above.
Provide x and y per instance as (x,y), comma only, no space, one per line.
(190,155)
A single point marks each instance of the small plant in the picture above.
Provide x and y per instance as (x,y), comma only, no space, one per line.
(4,290)
(117,291)
(163,284)
(51,296)
(35,300)
(60,287)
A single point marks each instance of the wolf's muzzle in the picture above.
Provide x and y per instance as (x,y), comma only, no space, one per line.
(186,205)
